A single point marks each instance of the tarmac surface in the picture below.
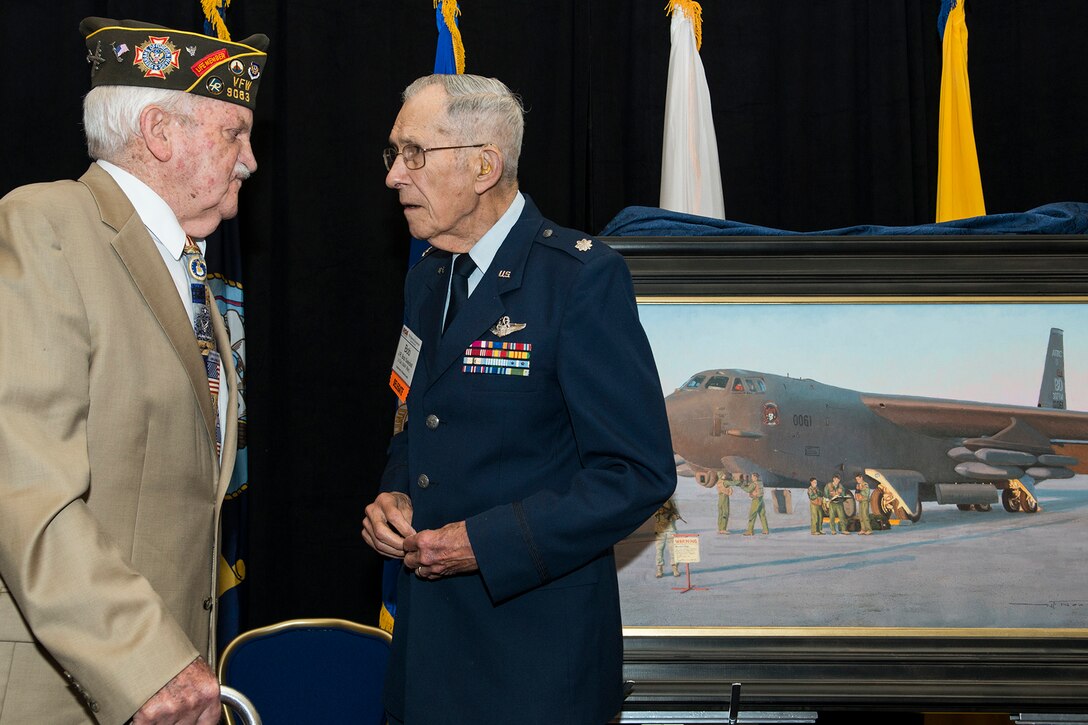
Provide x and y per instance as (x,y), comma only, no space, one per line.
(952,569)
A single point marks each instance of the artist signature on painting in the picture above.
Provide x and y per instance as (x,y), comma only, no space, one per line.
(1055,604)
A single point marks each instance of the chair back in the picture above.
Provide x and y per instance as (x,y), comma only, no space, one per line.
(310,671)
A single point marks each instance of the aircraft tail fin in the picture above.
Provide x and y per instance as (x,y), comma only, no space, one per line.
(1052,389)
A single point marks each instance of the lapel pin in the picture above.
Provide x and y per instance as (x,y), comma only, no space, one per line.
(504,327)
(95,58)
(583,245)
(504,273)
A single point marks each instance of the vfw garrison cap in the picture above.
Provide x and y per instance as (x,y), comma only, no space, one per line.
(133,53)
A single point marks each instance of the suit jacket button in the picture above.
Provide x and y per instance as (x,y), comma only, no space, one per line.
(423,480)
(208,604)
(432,421)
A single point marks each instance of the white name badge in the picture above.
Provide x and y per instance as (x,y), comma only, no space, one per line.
(404,363)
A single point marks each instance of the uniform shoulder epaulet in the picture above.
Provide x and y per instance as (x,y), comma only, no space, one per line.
(576,244)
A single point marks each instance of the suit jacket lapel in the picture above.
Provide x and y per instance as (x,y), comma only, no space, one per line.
(485,306)
(229,426)
(136,249)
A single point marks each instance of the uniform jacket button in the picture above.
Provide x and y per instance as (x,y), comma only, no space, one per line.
(423,481)
(432,421)
(208,604)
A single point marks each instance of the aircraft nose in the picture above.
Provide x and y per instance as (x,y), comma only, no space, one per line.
(681,409)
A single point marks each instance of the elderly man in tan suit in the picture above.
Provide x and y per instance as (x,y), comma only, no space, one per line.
(114,400)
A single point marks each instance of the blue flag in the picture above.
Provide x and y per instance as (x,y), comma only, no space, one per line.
(449,59)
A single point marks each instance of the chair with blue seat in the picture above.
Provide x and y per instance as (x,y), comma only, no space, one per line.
(310,671)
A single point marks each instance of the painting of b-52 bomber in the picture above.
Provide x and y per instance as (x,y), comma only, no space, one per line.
(912,448)
(968,423)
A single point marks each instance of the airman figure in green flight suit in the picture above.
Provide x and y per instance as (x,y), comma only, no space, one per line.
(815,507)
(754,489)
(862,495)
(725,490)
(835,494)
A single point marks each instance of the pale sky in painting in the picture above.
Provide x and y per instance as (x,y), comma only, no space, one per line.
(983,352)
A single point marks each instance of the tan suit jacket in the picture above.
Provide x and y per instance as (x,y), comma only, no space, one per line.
(110,486)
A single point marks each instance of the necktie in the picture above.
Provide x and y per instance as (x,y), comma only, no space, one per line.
(201,298)
(462,269)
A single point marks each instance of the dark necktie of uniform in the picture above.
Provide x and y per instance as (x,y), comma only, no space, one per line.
(462,269)
(200,297)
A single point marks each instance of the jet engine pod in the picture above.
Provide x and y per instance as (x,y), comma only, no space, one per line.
(1040,473)
(962,453)
(985,472)
(1005,457)
(1055,459)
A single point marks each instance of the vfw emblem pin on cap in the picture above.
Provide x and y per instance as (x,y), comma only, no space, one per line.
(157,57)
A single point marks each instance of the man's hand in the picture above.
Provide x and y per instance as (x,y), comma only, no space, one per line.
(388,520)
(440,552)
(191,698)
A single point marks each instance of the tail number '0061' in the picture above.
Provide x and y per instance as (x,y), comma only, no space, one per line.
(803,420)
(239,94)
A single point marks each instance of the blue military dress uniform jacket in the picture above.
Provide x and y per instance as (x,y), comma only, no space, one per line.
(548,470)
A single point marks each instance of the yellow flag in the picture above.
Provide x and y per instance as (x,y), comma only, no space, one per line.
(959,184)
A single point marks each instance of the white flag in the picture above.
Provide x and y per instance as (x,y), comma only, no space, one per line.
(691,179)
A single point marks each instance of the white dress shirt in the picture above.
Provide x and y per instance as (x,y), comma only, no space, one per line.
(483,251)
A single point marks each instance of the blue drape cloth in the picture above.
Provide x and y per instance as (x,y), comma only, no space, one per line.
(1068,217)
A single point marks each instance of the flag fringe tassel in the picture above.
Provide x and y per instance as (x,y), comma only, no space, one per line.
(450,11)
(211,14)
(694,12)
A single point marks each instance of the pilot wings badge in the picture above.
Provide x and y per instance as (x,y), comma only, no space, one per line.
(504,326)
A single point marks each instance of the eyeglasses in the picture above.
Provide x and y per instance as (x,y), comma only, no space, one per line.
(415,156)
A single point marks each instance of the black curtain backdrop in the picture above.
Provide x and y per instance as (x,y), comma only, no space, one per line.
(826,116)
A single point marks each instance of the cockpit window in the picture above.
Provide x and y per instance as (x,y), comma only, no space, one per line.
(718,381)
(696,381)
(749,386)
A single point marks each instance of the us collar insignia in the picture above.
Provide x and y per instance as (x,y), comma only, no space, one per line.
(583,245)
(157,57)
(504,327)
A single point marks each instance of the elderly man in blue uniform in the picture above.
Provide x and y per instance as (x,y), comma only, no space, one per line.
(536,435)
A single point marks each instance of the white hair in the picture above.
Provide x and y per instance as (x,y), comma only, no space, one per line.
(482,110)
(111,116)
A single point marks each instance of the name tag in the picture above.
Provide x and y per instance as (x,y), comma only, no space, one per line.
(404,363)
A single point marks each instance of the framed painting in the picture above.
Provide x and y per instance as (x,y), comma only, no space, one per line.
(930,376)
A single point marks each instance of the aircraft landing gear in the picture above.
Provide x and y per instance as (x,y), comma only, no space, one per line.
(1017,499)
(889,505)
(974,507)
